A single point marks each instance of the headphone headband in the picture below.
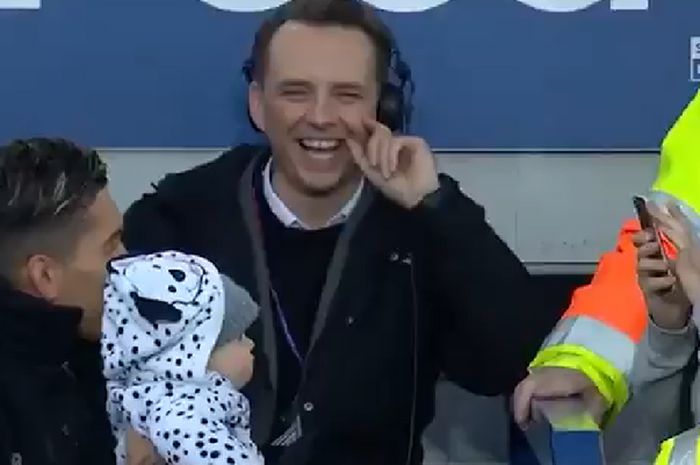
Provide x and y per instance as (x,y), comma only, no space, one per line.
(406,88)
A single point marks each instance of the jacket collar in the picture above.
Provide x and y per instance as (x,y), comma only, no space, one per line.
(35,331)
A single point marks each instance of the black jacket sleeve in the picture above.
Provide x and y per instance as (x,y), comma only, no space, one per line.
(150,225)
(490,320)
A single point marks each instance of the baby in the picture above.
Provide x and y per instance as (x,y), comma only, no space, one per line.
(175,355)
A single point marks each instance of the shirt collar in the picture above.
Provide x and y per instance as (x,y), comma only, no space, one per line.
(288,218)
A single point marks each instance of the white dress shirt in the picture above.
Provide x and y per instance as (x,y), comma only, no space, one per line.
(288,218)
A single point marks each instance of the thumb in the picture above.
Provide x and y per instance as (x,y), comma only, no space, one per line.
(522,398)
(597,406)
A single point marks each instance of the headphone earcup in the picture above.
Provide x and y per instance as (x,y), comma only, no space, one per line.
(390,108)
(252,123)
(247,70)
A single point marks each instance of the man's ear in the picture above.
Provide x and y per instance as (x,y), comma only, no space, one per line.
(255,105)
(43,276)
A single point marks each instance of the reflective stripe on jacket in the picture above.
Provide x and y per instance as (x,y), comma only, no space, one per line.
(605,321)
(681,449)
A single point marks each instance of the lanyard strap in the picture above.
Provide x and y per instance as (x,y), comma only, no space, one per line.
(275,298)
(285,327)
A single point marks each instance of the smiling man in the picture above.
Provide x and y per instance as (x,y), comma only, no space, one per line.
(374,273)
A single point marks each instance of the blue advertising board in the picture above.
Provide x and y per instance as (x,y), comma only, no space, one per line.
(490,74)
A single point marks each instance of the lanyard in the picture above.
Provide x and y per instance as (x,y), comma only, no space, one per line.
(275,298)
(285,327)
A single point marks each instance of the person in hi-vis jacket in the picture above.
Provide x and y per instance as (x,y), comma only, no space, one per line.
(592,350)
(671,337)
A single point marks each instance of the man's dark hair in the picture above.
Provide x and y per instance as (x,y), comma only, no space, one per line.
(46,185)
(353,14)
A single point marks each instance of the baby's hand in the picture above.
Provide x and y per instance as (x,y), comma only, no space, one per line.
(140,451)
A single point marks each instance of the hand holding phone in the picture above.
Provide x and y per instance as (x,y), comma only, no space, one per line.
(666,301)
(682,234)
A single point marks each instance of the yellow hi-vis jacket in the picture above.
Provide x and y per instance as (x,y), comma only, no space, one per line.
(683,449)
(606,319)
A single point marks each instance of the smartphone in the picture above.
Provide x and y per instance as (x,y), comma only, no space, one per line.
(645,219)
(647,223)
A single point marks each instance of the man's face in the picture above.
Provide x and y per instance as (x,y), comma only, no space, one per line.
(83,274)
(317,80)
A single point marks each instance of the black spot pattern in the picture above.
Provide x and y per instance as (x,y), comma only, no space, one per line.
(188,423)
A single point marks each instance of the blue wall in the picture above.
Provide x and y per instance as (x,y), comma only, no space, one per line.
(490,73)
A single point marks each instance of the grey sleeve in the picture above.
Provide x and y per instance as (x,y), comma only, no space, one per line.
(662,353)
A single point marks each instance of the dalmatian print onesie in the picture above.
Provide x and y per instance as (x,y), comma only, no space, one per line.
(163,313)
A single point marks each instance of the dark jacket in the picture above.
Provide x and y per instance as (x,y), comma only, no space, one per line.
(409,294)
(52,396)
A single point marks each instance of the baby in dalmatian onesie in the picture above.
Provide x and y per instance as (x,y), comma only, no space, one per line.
(175,355)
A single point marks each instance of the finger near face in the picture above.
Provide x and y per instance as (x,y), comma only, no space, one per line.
(394,153)
(373,149)
(352,124)
(383,138)
(371,125)
(385,157)
(357,152)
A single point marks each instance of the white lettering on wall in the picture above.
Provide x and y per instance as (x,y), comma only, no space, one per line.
(261,5)
(629,4)
(404,6)
(244,5)
(695,59)
(568,6)
(20,4)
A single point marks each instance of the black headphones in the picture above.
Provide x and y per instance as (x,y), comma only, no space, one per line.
(395,106)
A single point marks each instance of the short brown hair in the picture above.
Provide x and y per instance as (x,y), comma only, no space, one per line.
(46,185)
(353,14)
